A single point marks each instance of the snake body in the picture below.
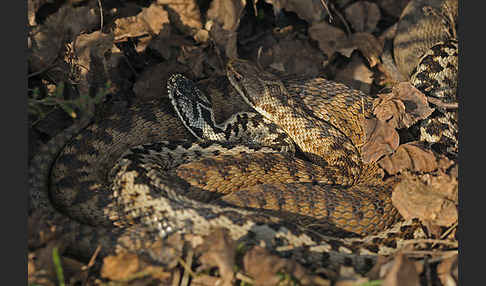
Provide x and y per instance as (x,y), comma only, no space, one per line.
(273,174)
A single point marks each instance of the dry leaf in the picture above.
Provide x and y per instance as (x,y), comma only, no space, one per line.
(184,14)
(150,21)
(332,39)
(327,36)
(403,106)
(120,267)
(48,41)
(369,46)
(447,271)
(349,277)
(218,250)
(393,7)
(410,156)
(263,267)
(356,75)
(363,16)
(308,10)
(427,199)
(90,52)
(402,273)
(226,13)
(381,139)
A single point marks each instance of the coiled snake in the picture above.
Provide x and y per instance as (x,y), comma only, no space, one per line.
(279,174)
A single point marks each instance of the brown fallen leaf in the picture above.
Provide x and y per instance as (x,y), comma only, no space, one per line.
(308,10)
(292,55)
(218,250)
(184,14)
(369,46)
(409,156)
(226,13)
(90,50)
(333,40)
(363,16)
(382,139)
(448,270)
(266,269)
(153,20)
(48,41)
(403,106)
(127,266)
(224,19)
(392,7)
(428,198)
(349,277)
(403,272)
(120,267)
(356,75)
(327,36)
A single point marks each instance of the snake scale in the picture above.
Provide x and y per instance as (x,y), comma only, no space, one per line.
(288,173)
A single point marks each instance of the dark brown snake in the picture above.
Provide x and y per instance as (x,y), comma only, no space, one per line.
(242,175)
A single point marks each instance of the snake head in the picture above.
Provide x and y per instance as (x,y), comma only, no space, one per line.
(191,105)
(250,80)
(258,87)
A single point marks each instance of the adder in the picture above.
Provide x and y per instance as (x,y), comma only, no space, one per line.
(270,175)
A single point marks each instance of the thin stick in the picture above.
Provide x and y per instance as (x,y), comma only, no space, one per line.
(101,15)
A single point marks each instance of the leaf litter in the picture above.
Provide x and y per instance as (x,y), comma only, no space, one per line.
(137,47)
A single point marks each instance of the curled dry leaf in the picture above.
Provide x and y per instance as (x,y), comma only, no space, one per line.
(264,267)
(410,156)
(48,41)
(152,20)
(184,14)
(382,139)
(349,277)
(127,266)
(363,16)
(370,46)
(332,40)
(218,250)
(292,55)
(432,199)
(356,75)
(309,10)
(32,8)
(226,13)
(403,272)
(120,267)
(393,7)
(327,36)
(224,19)
(90,52)
(403,106)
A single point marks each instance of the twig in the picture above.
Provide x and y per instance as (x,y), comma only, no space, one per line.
(348,30)
(446,233)
(187,267)
(101,15)
(244,278)
(93,258)
(327,9)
